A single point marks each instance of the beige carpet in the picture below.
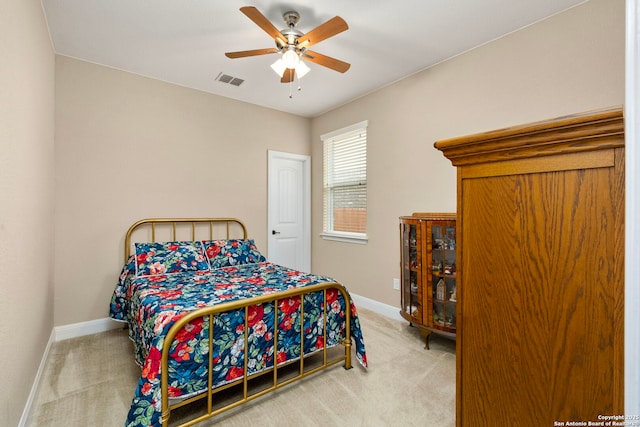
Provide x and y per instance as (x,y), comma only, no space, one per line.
(90,381)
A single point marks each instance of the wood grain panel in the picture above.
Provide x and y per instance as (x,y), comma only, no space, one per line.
(560,162)
(535,310)
(541,267)
(617,280)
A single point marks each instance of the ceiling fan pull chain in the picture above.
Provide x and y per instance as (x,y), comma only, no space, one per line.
(291,77)
(299,85)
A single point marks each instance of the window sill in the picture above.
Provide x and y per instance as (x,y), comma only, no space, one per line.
(346,238)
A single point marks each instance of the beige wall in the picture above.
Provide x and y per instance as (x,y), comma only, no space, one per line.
(26,199)
(130,147)
(116,133)
(569,63)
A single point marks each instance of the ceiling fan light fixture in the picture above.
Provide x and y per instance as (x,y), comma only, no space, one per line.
(279,67)
(290,58)
(302,69)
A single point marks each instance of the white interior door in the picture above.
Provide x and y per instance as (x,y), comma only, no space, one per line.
(289,210)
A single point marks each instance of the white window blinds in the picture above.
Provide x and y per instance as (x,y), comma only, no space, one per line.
(345,183)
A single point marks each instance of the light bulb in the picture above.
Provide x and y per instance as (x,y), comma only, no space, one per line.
(290,59)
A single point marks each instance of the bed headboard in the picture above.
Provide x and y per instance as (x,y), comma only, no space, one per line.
(172,229)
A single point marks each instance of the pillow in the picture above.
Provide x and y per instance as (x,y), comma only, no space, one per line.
(159,258)
(224,253)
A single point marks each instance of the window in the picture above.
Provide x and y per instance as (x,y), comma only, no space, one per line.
(345,184)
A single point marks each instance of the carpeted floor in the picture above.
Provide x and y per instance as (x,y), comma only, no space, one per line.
(89,381)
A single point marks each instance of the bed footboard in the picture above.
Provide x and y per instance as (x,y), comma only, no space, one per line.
(276,381)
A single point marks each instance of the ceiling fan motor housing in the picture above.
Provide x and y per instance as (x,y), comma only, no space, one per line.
(291,18)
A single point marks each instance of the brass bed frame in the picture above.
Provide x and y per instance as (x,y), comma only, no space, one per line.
(195,227)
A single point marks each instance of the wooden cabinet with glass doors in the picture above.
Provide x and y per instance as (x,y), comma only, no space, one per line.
(428,286)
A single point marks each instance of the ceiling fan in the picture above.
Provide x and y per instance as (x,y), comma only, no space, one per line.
(293,45)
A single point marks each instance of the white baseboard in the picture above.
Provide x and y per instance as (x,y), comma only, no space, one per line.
(60,333)
(75,330)
(377,306)
(34,388)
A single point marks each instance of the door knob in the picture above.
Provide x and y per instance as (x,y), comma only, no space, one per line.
(275,232)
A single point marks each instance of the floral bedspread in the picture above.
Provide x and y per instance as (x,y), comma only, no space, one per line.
(152,304)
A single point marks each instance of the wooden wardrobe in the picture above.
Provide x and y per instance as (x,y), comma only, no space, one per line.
(541,265)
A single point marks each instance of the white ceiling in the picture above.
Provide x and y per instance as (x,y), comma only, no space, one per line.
(184,41)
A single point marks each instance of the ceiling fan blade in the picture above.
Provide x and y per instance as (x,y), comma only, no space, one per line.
(326,61)
(330,28)
(261,21)
(245,53)
(288,75)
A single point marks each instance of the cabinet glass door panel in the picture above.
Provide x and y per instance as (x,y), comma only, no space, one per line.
(411,292)
(450,315)
(443,275)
